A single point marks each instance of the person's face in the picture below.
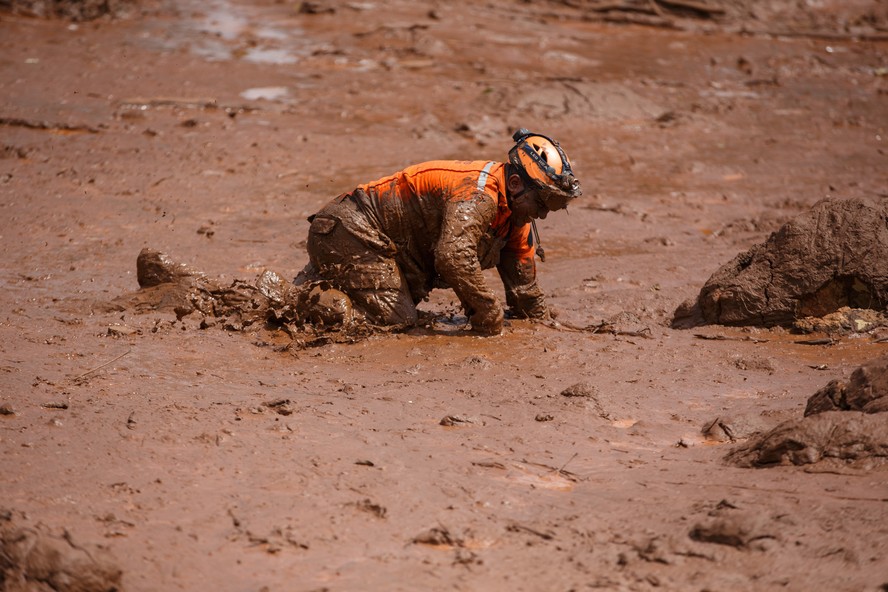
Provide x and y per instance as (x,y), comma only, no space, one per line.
(527,206)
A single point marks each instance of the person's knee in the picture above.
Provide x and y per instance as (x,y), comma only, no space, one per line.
(324,306)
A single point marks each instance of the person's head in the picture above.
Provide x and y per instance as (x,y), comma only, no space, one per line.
(541,179)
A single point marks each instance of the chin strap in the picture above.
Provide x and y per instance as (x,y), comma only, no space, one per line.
(536,238)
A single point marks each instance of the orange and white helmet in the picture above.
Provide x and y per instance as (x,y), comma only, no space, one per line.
(544,167)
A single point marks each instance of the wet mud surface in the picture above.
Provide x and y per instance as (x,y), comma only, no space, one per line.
(192,451)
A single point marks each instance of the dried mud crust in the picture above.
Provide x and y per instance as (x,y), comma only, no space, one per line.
(35,558)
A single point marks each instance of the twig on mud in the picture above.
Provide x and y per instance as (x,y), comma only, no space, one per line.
(642,20)
(515,527)
(97,368)
(656,8)
(823,341)
(561,470)
(489,464)
(602,327)
(564,473)
(698,7)
(43,125)
(618,6)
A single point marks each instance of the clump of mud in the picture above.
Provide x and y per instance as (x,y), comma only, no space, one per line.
(844,423)
(833,256)
(34,558)
(74,10)
(311,314)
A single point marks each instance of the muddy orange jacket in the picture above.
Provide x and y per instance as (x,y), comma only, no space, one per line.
(448,220)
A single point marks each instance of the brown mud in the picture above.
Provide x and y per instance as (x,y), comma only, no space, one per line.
(588,454)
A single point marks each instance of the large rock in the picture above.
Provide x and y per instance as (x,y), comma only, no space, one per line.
(833,256)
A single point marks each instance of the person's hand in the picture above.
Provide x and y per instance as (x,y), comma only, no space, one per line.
(488,322)
(539,312)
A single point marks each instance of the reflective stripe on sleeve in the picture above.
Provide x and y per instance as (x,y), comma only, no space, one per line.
(482,178)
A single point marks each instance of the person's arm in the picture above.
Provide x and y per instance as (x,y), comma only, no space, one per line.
(456,260)
(517,269)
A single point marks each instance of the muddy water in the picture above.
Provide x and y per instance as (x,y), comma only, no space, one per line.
(175,452)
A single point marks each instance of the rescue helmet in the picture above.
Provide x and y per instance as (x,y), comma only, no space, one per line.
(545,168)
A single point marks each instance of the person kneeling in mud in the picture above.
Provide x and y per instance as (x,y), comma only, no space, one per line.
(388,243)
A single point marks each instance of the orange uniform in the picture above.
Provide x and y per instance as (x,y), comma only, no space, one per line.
(389,242)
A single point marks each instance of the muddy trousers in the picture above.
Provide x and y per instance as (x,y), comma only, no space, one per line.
(369,276)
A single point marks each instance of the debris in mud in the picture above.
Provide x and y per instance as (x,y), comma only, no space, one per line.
(46,125)
(477,362)
(32,557)
(624,323)
(439,536)
(75,10)
(833,256)
(545,535)
(371,508)
(754,363)
(315,8)
(280,406)
(311,314)
(54,405)
(732,428)
(844,321)
(580,389)
(121,331)
(727,525)
(866,390)
(590,393)
(458,420)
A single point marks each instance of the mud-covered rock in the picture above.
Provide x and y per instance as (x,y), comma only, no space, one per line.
(848,436)
(866,390)
(154,268)
(33,558)
(833,256)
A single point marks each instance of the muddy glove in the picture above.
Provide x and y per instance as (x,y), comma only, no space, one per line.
(538,310)
(488,322)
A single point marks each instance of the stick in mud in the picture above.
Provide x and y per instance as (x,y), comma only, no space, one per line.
(97,368)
